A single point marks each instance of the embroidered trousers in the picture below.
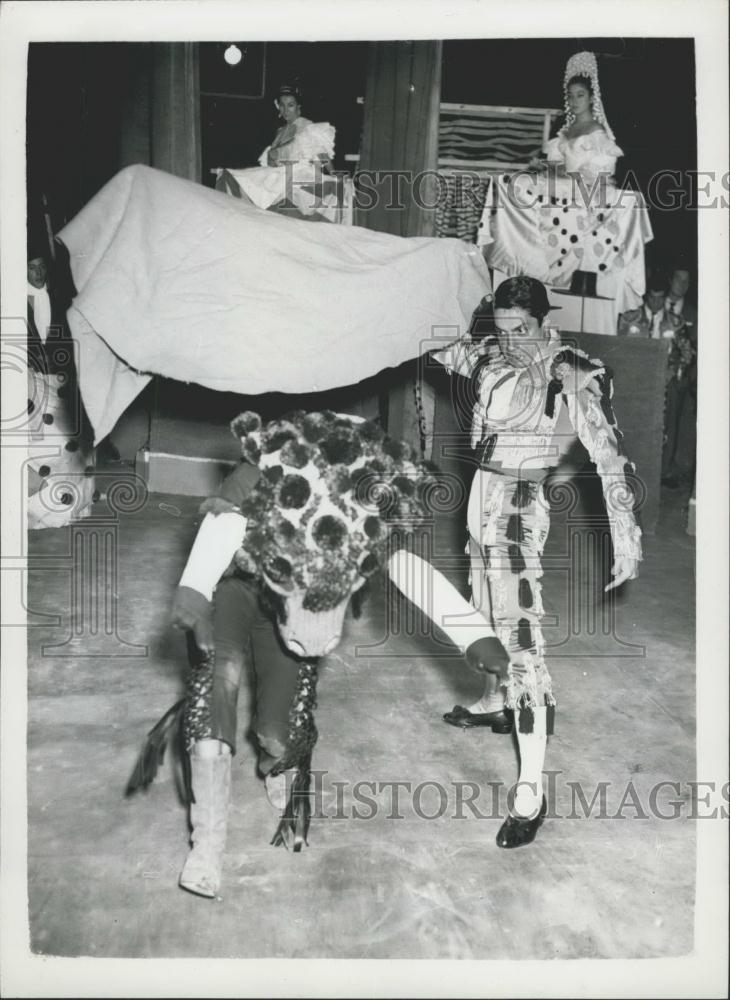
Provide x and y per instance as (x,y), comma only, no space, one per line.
(508,521)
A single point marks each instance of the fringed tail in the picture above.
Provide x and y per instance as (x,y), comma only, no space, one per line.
(294,824)
(187,721)
(152,754)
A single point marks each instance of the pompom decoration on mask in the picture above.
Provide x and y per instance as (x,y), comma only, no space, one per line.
(332,492)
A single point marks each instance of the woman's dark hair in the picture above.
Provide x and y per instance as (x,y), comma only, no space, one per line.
(286,90)
(584,81)
(525,293)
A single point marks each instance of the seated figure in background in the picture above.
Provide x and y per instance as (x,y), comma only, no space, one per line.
(293,175)
(298,139)
(650,320)
(585,145)
(667,314)
(39,300)
(569,215)
(680,417)
(678,301)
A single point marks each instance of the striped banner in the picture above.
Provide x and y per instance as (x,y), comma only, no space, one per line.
(481,135)
(460,206)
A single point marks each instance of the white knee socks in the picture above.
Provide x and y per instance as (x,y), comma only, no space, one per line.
(528,797)
(493,698)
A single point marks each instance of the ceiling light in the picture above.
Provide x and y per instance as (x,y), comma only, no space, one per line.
(233,55)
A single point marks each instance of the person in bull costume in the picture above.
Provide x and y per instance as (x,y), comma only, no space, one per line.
(295,531)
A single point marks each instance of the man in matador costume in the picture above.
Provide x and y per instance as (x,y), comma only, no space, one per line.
(534,397)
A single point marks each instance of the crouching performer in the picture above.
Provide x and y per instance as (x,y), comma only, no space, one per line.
(534,397)
(293,534)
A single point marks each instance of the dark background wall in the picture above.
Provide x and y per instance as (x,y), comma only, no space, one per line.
(88,115)
(89,105)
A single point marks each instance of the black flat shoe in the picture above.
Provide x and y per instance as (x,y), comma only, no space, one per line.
(498,722)
(517,832)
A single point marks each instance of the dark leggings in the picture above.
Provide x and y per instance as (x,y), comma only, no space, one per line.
(245,633)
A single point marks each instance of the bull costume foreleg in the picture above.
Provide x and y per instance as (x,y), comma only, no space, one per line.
(243,636)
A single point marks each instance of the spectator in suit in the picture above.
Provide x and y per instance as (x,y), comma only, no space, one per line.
(680,421)
(39,300)
(650,319)
(678,300)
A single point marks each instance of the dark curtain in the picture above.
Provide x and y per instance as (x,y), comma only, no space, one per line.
(175,107)
(175,147)
(400,133)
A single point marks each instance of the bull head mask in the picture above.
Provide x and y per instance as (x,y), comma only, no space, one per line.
(322,516)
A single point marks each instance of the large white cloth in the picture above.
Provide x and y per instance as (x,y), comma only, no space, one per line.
(179,280)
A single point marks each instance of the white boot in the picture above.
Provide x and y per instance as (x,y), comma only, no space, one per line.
(278,788)
(210,763)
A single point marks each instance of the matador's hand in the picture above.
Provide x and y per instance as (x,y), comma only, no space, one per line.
(488,654)
(622,570)
(190,610)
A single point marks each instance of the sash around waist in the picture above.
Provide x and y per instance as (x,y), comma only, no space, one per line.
(534,475)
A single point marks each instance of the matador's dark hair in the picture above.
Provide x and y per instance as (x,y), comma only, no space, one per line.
(523,292)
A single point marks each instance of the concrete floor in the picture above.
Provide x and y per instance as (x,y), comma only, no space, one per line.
(103,869)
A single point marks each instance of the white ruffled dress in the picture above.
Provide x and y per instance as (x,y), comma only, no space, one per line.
(312,143)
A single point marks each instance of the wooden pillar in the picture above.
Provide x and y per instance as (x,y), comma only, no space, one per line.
(135,134)
(400,153)
(400,133)
(175,147)
(175,105)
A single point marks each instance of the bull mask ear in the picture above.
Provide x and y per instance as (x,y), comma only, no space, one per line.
(247,427)
(245,423)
